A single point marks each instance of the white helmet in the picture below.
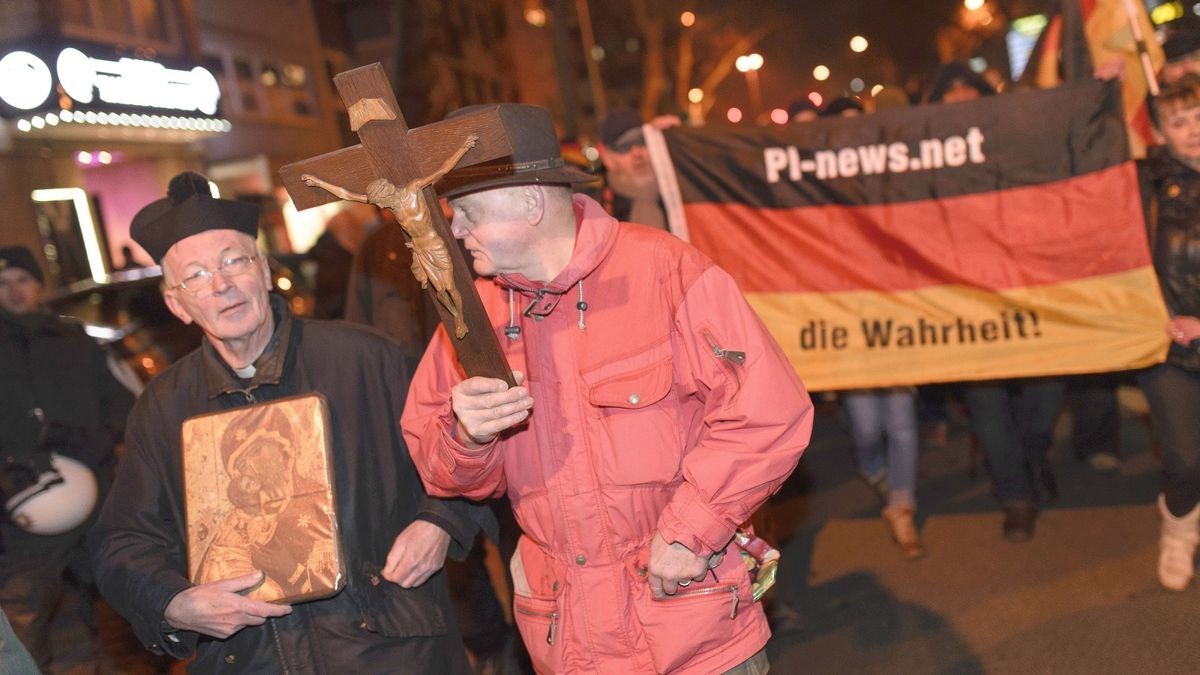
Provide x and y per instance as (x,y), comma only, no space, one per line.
(58,502)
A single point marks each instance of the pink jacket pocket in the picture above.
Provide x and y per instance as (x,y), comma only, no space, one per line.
(641,441)
(539,621)
(699,618)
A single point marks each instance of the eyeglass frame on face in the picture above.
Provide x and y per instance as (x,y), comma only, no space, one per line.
(202,278)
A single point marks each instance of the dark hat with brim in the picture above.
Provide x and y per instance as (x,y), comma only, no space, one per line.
(19,257)
(189,209)
(536,156)
(1181,37)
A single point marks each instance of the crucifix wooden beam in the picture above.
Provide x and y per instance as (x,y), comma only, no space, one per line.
(395,168)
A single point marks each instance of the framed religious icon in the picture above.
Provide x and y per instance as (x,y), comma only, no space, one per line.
(259,496)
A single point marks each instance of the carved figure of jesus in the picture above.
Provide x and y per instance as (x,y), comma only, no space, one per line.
(431,261)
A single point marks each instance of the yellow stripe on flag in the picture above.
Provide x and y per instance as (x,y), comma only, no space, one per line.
(950,333)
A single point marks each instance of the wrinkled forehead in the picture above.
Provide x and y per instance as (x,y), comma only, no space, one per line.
(206,248)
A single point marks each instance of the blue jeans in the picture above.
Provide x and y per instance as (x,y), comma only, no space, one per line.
(1014,420)
(883,423)
(1174,396)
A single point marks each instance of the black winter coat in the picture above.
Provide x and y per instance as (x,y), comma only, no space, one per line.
(138,544)
(48,362)
(1171,196)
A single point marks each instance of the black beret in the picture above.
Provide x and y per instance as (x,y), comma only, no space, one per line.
(188,209)
(20,258)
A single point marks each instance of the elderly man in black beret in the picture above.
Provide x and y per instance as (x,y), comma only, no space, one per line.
(61,410)
(393,613)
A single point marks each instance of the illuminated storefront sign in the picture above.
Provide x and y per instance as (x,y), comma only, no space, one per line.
(26,82)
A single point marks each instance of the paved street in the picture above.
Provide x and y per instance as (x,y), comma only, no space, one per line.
(1081,597)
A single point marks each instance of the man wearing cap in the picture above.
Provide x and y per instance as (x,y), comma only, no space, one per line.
(1181,47)
(393,612)
(627,166)
(57,395)
(653,415)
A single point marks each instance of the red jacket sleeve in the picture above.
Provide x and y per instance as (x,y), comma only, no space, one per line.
(757,415)
(447,468)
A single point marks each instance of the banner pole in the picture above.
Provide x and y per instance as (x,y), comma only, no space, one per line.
(1139,38)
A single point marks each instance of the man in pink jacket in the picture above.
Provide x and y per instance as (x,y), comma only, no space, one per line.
(654,415)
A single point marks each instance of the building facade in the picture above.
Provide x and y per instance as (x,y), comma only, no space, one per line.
(102,101)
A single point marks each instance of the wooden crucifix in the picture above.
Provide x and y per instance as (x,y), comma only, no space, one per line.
(395,168)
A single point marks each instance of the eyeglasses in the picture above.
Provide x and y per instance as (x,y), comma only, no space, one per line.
(201,279)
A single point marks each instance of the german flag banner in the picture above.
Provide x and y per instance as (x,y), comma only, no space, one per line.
(996,238)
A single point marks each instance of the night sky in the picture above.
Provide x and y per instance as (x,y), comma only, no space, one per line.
(804,33)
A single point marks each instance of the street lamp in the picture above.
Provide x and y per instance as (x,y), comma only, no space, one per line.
(749,65)
(695,96)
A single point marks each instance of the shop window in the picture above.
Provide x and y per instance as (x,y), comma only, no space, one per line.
(215,65)
(148,15)
(243,69)
(295,76)
(269,76)
(118,20)
(77,12)
(115,16)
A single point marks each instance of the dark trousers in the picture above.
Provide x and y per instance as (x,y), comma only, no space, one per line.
(1095,415)
(1174,396)
(1014,421)
(485,629)
(34,588)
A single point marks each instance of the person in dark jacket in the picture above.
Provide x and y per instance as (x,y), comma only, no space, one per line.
(54,376)
(393,615)
(1170,177)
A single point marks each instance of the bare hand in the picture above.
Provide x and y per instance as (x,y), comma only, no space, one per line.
(418,552)
(308,179)
(1113,70)
(672,565)
(485,407)
(663,122)
(1184,329)
(219,610)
